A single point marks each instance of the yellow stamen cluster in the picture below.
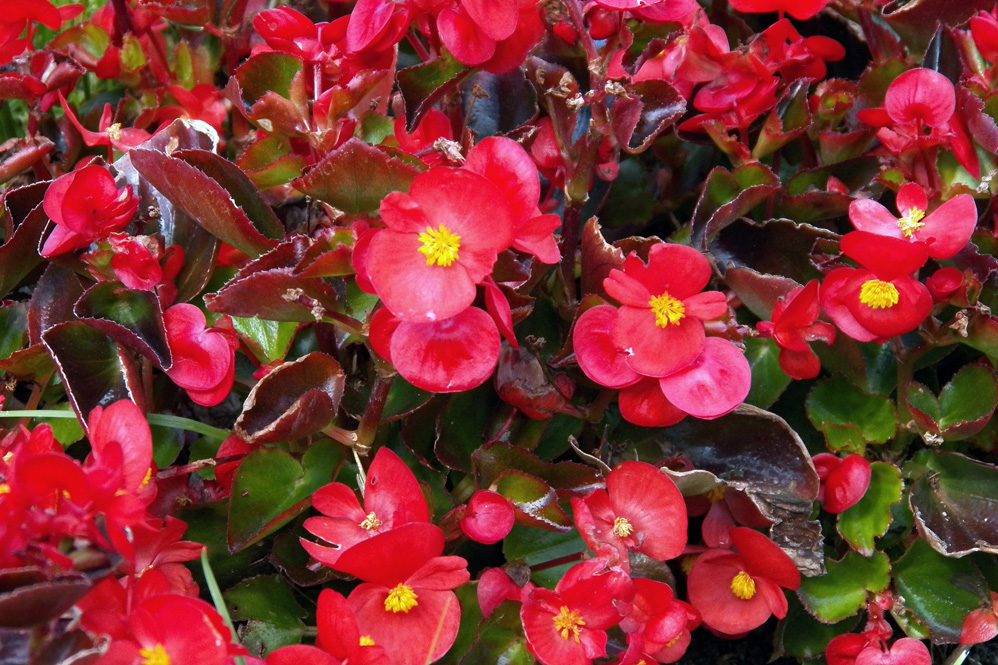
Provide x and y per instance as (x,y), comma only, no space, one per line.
(911,222)
(622,527)
(401,599)
(371,522)
(877,294)
(4,488)
(716,494)
(155,656)
(114,131)
(743,586)
(667,310)
(568,622)
(366,641)
(439,246)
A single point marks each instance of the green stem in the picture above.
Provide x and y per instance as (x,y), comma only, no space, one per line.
(216,598)
(160,419)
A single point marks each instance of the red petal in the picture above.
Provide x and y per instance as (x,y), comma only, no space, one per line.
(713,384)
(650,501)
(392,491)
(489,517)
(764,558)
(462,37)
(708,588)
(870,216)
(495,19)
(597,355)
(419,636)
(652,350)
(949,227)
(390,558)
(889,258)
(644,404)
(921,94)
(914,305)
(452,355)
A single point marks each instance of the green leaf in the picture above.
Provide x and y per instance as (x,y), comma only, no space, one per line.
(768,380)
(270,340)
(842,591)
(268,604)
(355,177)
(729,195)
(460,426)
(844,438)
(271,487)
(839,402)
(971,395)
(422,85)
(535,502)
(403,399)
(13,328)
(870,517)
(501,639)
(537,546)
(939,590)
(467,633)
(65,430)
(802,636)
(130,316)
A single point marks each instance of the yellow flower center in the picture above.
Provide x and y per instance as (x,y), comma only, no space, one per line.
(673,640)
(145,481)
(568,622)
(401,599)
(4,488)
(667,310)
(366,641)
(114,131)
(716,494)
(911,222)
(743,586)
(622,527)
(371,522)
(440,246)
(155,656)
(877,294)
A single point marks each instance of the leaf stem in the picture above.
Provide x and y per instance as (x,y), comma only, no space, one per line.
(161,419)
(216,598)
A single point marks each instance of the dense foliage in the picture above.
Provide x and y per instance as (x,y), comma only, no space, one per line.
(480,331)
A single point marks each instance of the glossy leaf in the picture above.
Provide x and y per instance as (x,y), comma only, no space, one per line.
(646,110)
(842,591)
(355,177)
(269,340)
(271,487)
(293,401)
(202,198)
(955,503)
(537,546)
(963,408)
(568,478)
(509,101)
(728,195)
(501,639)
(92,369)
(423,84)
(870,518)
(13,328)
(939,590)
(128,316)
(838,402)
(461,427)
(267,604)
(768,379)
(535,502)
(23,221)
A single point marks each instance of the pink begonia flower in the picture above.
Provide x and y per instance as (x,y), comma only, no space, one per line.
(85,206)
(943,232)
(203,358)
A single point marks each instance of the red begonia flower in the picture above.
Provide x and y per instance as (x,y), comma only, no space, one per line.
(108,133)
(18,17)
(489,517)
(794,323)
(155,543)
(641,510)
(433,126)
(799,9)
(567,625)
(943,283)
(392,497)
(204,361)
(662,622)
(980,625)
(743,90)
(85,206)
(494,36)
(442,240)
(785,51)
(725,508)
(881,299)
(172,629)
(660,322)
(943,232)
(843,481)
(405,603)
(376,24)
(121,449)
(339,639)
(738,592)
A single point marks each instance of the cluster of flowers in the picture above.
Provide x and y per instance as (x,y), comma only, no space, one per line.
(440,242)
(56,514)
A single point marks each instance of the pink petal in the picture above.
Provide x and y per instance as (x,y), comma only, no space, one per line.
(713,384)
(597,355)
(652,350)
(644,404)
(921,94)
